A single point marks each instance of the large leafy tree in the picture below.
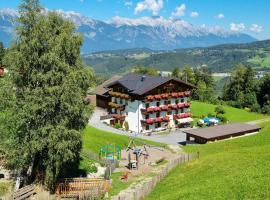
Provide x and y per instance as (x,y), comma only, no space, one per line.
(2,51)
(264,93)
(50,84)
(241,87)
(204,81)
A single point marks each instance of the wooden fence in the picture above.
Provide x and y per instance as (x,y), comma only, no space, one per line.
(82,188)
(144,188)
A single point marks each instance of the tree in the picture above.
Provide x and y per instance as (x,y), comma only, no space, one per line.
(204,82)
(146,70)
(264,91)
(50,84)
(2,51)
(241,88)
(176,72)
(188,75)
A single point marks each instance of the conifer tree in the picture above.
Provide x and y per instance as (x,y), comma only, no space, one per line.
(50,84)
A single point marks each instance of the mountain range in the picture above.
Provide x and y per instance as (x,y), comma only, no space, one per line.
(156,33)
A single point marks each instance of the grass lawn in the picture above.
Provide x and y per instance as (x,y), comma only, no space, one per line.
(118,185)
(233,114)
(94,139)
(231,169)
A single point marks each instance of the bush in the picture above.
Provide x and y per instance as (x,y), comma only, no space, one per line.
(266,109)
(211,115)
(126,126)
(117,126)
(219,110)
(222,118)
(256,108)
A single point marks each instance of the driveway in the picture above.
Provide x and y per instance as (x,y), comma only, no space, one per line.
(173,138)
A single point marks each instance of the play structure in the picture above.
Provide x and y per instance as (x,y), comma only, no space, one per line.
(137,153)
(110,152)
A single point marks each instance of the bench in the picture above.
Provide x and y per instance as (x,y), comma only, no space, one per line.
(24,192)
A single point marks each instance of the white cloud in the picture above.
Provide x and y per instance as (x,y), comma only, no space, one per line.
(128,3)
(152,5)
(179,11)
(194,14)
(256,28)
(81,1)
(237,27)
(220,16)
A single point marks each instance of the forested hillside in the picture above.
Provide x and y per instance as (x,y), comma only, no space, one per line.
(221,58)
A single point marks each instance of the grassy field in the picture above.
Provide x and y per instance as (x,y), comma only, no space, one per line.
(94,139)
(264,62)
(234,169)
(233,114)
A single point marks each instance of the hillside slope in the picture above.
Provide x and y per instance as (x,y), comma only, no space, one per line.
(221,58)
(231,169)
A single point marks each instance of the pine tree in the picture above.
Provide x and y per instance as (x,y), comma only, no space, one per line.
(50,84)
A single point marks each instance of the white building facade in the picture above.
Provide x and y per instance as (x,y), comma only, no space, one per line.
(143,104)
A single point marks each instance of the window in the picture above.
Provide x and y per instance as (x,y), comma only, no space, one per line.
(158,114)
(157,125)
(182,110)
(147,127)
(176,101)
(121,101)
(146,116)
(182,100)
(147,105)
(169,112)
(158,103)
(169,102)
(176,111)
(165,102)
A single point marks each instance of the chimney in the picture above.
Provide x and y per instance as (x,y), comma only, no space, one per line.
(143,78)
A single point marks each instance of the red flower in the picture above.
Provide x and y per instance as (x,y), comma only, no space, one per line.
(164,107)
(175,94)
(181,94)
(166,118)
(158,97)
(149,121)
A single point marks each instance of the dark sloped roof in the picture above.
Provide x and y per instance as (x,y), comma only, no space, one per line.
(135,84)
(101,89)
(222,130)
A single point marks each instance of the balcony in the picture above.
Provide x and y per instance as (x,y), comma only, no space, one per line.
(156,120)
(119,95)
(182,115)
(158,97)
(119,117)
(116,106)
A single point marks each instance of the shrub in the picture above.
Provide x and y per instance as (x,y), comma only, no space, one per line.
(256,108)
(219,110)
(126,126)
(117,126)
(266,109)
(211,115)
(222,118)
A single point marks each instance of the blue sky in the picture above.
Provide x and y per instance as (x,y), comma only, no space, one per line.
(250,16)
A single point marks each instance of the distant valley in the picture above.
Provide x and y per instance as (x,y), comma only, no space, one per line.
(220,58)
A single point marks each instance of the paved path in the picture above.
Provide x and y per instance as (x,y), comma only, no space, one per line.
(255,122)
(173,138)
